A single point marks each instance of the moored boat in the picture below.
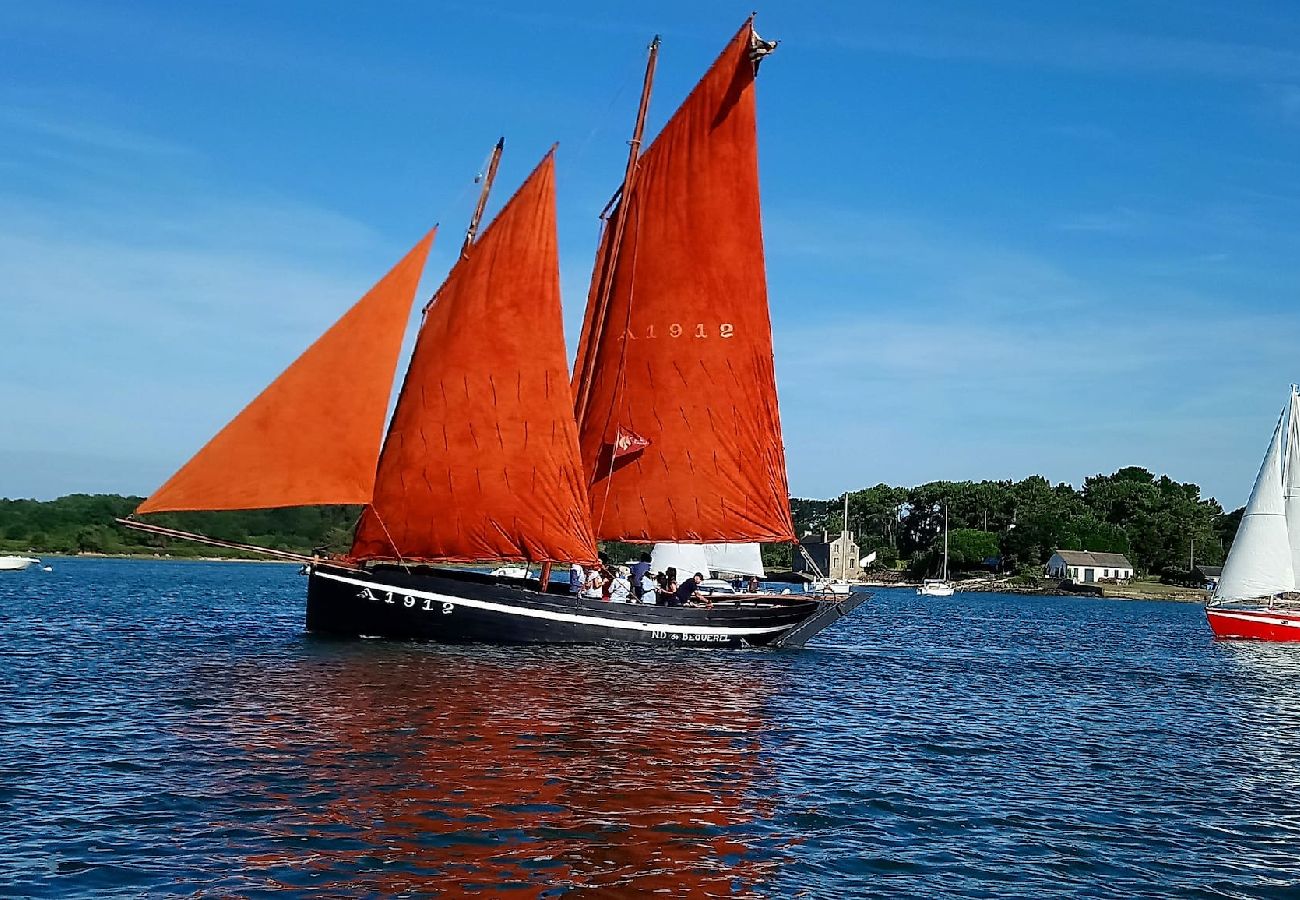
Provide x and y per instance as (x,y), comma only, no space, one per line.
(939,587)
(830,586)
(1257,596)
(669,431)
(17,563)
(936,587)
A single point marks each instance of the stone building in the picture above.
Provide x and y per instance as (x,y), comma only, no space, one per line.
(837,559)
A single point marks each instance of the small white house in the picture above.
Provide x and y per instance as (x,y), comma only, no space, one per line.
(1086,566)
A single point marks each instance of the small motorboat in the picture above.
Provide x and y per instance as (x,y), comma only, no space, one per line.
(17,563)
(510,572)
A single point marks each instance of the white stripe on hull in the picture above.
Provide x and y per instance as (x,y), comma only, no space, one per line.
(1255,617)
(573,618)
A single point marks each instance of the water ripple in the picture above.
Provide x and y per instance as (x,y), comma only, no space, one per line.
(167,728)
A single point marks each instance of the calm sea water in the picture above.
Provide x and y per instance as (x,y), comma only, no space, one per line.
(168,728)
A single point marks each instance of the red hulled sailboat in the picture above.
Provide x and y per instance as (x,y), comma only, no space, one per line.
(669,431)
(1257,595)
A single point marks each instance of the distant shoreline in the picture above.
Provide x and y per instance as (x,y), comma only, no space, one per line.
(151,557)
(1142,590)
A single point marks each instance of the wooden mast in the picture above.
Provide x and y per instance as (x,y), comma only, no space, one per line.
(620,220)
(472,231)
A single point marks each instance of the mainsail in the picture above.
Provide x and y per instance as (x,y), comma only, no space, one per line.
(1259,563)
(481,459)
(674,382)
(1291,473)
(313,435)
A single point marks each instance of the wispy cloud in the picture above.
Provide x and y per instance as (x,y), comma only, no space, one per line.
(984,38)
(138,320)
(42,123)
(985,362)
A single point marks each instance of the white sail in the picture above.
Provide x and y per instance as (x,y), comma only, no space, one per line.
(728,559)
(1259,563)
(735,559)
(1291,473)
(687,559)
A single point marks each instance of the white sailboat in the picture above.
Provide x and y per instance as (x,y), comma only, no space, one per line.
(1259,575)
(939,587)
(17,563)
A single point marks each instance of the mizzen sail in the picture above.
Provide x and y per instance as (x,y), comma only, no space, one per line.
(313,436)
(481,460)
(1259,563)
(676,349)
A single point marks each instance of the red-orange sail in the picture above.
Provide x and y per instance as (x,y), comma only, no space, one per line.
(313,436)
(481,460)
(676,354)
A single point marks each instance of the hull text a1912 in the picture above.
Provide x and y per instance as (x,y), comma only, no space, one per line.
(458,606)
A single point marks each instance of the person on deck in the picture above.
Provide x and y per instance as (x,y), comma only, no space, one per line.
(620,589)
(667,586)
(689,592)
(576,577)
(593,586)
(753,584)
(648,588)
(639,570)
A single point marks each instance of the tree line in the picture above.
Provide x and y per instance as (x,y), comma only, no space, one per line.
(1157,522)
(1012,525)
(83,523)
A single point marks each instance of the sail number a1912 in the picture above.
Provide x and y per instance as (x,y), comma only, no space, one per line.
(393,598)
(681,329)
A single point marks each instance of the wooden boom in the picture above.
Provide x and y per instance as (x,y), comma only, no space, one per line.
(159,530)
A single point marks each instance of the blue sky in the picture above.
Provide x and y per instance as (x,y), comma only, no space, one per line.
(1001,241)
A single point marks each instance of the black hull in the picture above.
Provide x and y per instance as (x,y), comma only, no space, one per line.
(461,607)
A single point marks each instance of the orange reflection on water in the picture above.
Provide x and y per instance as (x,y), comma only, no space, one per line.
(433,770)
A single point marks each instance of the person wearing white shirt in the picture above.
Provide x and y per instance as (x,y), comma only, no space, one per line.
(594,587)
(620,589)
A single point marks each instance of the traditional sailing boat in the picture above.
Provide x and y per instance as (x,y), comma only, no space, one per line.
(675,436)
(1256,594)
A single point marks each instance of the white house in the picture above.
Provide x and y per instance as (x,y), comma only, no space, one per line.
(1085,566)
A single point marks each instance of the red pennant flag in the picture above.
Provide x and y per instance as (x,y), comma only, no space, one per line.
(628,442)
